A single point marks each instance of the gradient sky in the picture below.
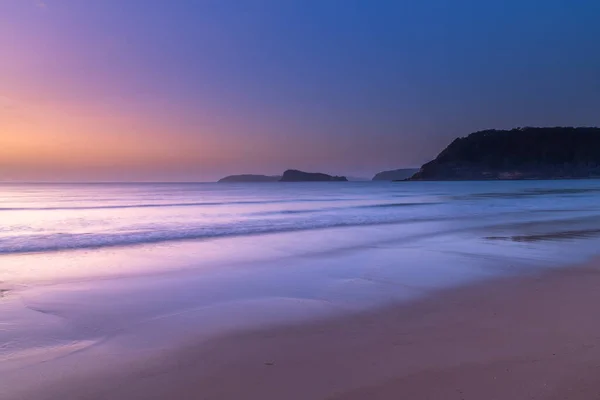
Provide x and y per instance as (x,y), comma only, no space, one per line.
(160,90)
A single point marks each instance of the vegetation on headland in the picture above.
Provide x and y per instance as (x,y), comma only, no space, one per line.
(521,153)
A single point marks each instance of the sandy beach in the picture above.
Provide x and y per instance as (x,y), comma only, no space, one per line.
(532,337)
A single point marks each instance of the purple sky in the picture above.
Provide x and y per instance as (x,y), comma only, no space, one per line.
(193,90)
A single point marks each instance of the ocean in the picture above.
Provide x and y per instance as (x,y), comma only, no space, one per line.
(59,217)
(97,271)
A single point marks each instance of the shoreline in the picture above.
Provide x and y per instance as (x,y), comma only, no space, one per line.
(531,336)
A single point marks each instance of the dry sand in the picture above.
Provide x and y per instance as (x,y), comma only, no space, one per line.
(534,337)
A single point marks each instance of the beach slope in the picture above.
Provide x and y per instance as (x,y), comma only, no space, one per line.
(516,338)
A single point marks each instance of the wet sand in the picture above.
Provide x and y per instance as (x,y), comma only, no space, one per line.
(533,337)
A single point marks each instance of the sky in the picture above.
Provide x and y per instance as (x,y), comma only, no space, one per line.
(156,90)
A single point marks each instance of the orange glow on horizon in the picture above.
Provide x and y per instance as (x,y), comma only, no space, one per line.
(68,137)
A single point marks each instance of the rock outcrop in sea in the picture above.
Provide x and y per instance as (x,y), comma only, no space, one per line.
(293,175)
(250,178)
(396,174)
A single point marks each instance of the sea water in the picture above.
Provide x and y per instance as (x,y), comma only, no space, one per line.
(59,217)
(136,267)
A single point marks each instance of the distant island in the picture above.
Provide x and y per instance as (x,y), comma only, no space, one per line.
(293,175)
(357,179)
(250,178)
(395,175)
(521,153)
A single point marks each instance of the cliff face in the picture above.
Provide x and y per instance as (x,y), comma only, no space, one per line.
(292,175)
(396,174)
(250,178)
(523,153)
